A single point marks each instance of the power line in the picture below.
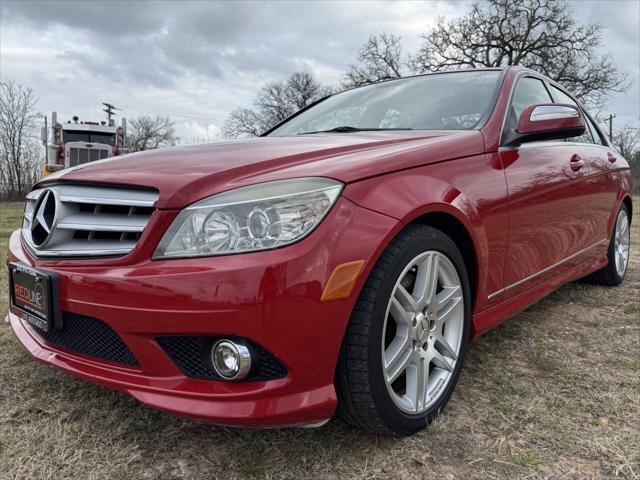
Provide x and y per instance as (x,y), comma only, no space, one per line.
(109,110)
(170,114)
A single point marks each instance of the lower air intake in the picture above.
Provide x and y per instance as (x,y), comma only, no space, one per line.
(192,355)
(89,336)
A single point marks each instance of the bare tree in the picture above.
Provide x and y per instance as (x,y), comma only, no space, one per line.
(627,141)
(243,122)
(381,58)
(275,102)
(19,166)
(148,133)
(303,89)
(539,34)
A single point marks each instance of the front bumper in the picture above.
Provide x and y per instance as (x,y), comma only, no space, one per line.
(271,298)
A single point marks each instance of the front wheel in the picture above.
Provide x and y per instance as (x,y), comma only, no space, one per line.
(407,336)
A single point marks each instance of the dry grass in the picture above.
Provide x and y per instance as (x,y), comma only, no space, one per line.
(552,393)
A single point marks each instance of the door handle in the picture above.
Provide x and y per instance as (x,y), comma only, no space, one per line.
(611,157)
(576,162)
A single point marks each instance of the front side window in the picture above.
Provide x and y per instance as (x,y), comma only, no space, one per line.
(560,97)
(529,91)
(447,101)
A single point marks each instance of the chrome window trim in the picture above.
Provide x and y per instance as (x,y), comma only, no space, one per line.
(549,143)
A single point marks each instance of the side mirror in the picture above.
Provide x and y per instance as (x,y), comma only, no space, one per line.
(547,121)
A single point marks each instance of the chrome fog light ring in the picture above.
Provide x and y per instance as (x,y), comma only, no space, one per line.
(230,359)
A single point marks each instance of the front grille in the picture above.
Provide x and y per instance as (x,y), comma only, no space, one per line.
(80,155)
(86,220)
(191,354)
(88,336)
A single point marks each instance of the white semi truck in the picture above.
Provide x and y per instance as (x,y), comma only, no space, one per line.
(76,142)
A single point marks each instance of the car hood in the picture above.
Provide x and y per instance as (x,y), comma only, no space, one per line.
(184,175)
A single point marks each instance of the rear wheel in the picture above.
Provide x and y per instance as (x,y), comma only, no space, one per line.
(407,337)
(618,254)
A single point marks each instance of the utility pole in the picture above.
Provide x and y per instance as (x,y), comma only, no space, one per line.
(109,110)
(610,120)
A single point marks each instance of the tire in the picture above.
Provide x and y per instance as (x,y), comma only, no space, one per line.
(365,398)
(611,275)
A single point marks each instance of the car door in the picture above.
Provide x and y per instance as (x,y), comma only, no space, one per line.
(547,210)
(601,160)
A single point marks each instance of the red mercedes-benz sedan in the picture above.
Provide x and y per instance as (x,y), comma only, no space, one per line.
(344,260)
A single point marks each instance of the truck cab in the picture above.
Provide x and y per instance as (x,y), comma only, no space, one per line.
(77,142)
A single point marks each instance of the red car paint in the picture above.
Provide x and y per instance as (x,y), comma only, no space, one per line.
(534,222)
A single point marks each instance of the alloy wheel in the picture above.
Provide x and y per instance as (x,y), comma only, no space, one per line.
(422,333)
(622,242)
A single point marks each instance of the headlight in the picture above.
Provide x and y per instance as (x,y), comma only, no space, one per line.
(248,219)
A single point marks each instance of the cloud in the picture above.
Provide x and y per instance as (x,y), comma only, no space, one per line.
(620,20)
(198,60)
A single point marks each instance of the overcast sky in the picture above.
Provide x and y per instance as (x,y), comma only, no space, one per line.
(197,61)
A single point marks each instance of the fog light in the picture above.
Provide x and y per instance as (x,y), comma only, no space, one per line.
(231,360)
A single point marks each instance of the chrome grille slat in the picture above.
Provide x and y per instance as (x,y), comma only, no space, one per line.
(95,248)
(91,220)
(105,201)
(107,196)
(104,222)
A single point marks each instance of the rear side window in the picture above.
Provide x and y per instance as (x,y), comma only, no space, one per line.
(597,136)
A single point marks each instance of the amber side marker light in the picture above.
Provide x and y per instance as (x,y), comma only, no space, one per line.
(342,280)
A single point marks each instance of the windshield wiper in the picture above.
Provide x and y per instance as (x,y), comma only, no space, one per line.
(348,129)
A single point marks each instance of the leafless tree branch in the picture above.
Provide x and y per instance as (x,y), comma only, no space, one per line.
(627,141)
(19,165)
(381,58)
(148,133)
(539,34)
(275,102)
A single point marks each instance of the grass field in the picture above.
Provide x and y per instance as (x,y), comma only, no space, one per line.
(551,393)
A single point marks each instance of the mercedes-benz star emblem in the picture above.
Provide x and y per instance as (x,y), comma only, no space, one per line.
(44,214)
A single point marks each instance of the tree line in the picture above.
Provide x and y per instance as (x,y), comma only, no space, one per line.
(21,151)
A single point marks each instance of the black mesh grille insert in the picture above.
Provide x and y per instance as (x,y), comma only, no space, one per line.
(89,336)
(191,354)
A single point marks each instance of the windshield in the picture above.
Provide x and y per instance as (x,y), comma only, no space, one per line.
(446,101)
(88,137)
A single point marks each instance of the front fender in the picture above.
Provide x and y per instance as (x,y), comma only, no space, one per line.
(472,190)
